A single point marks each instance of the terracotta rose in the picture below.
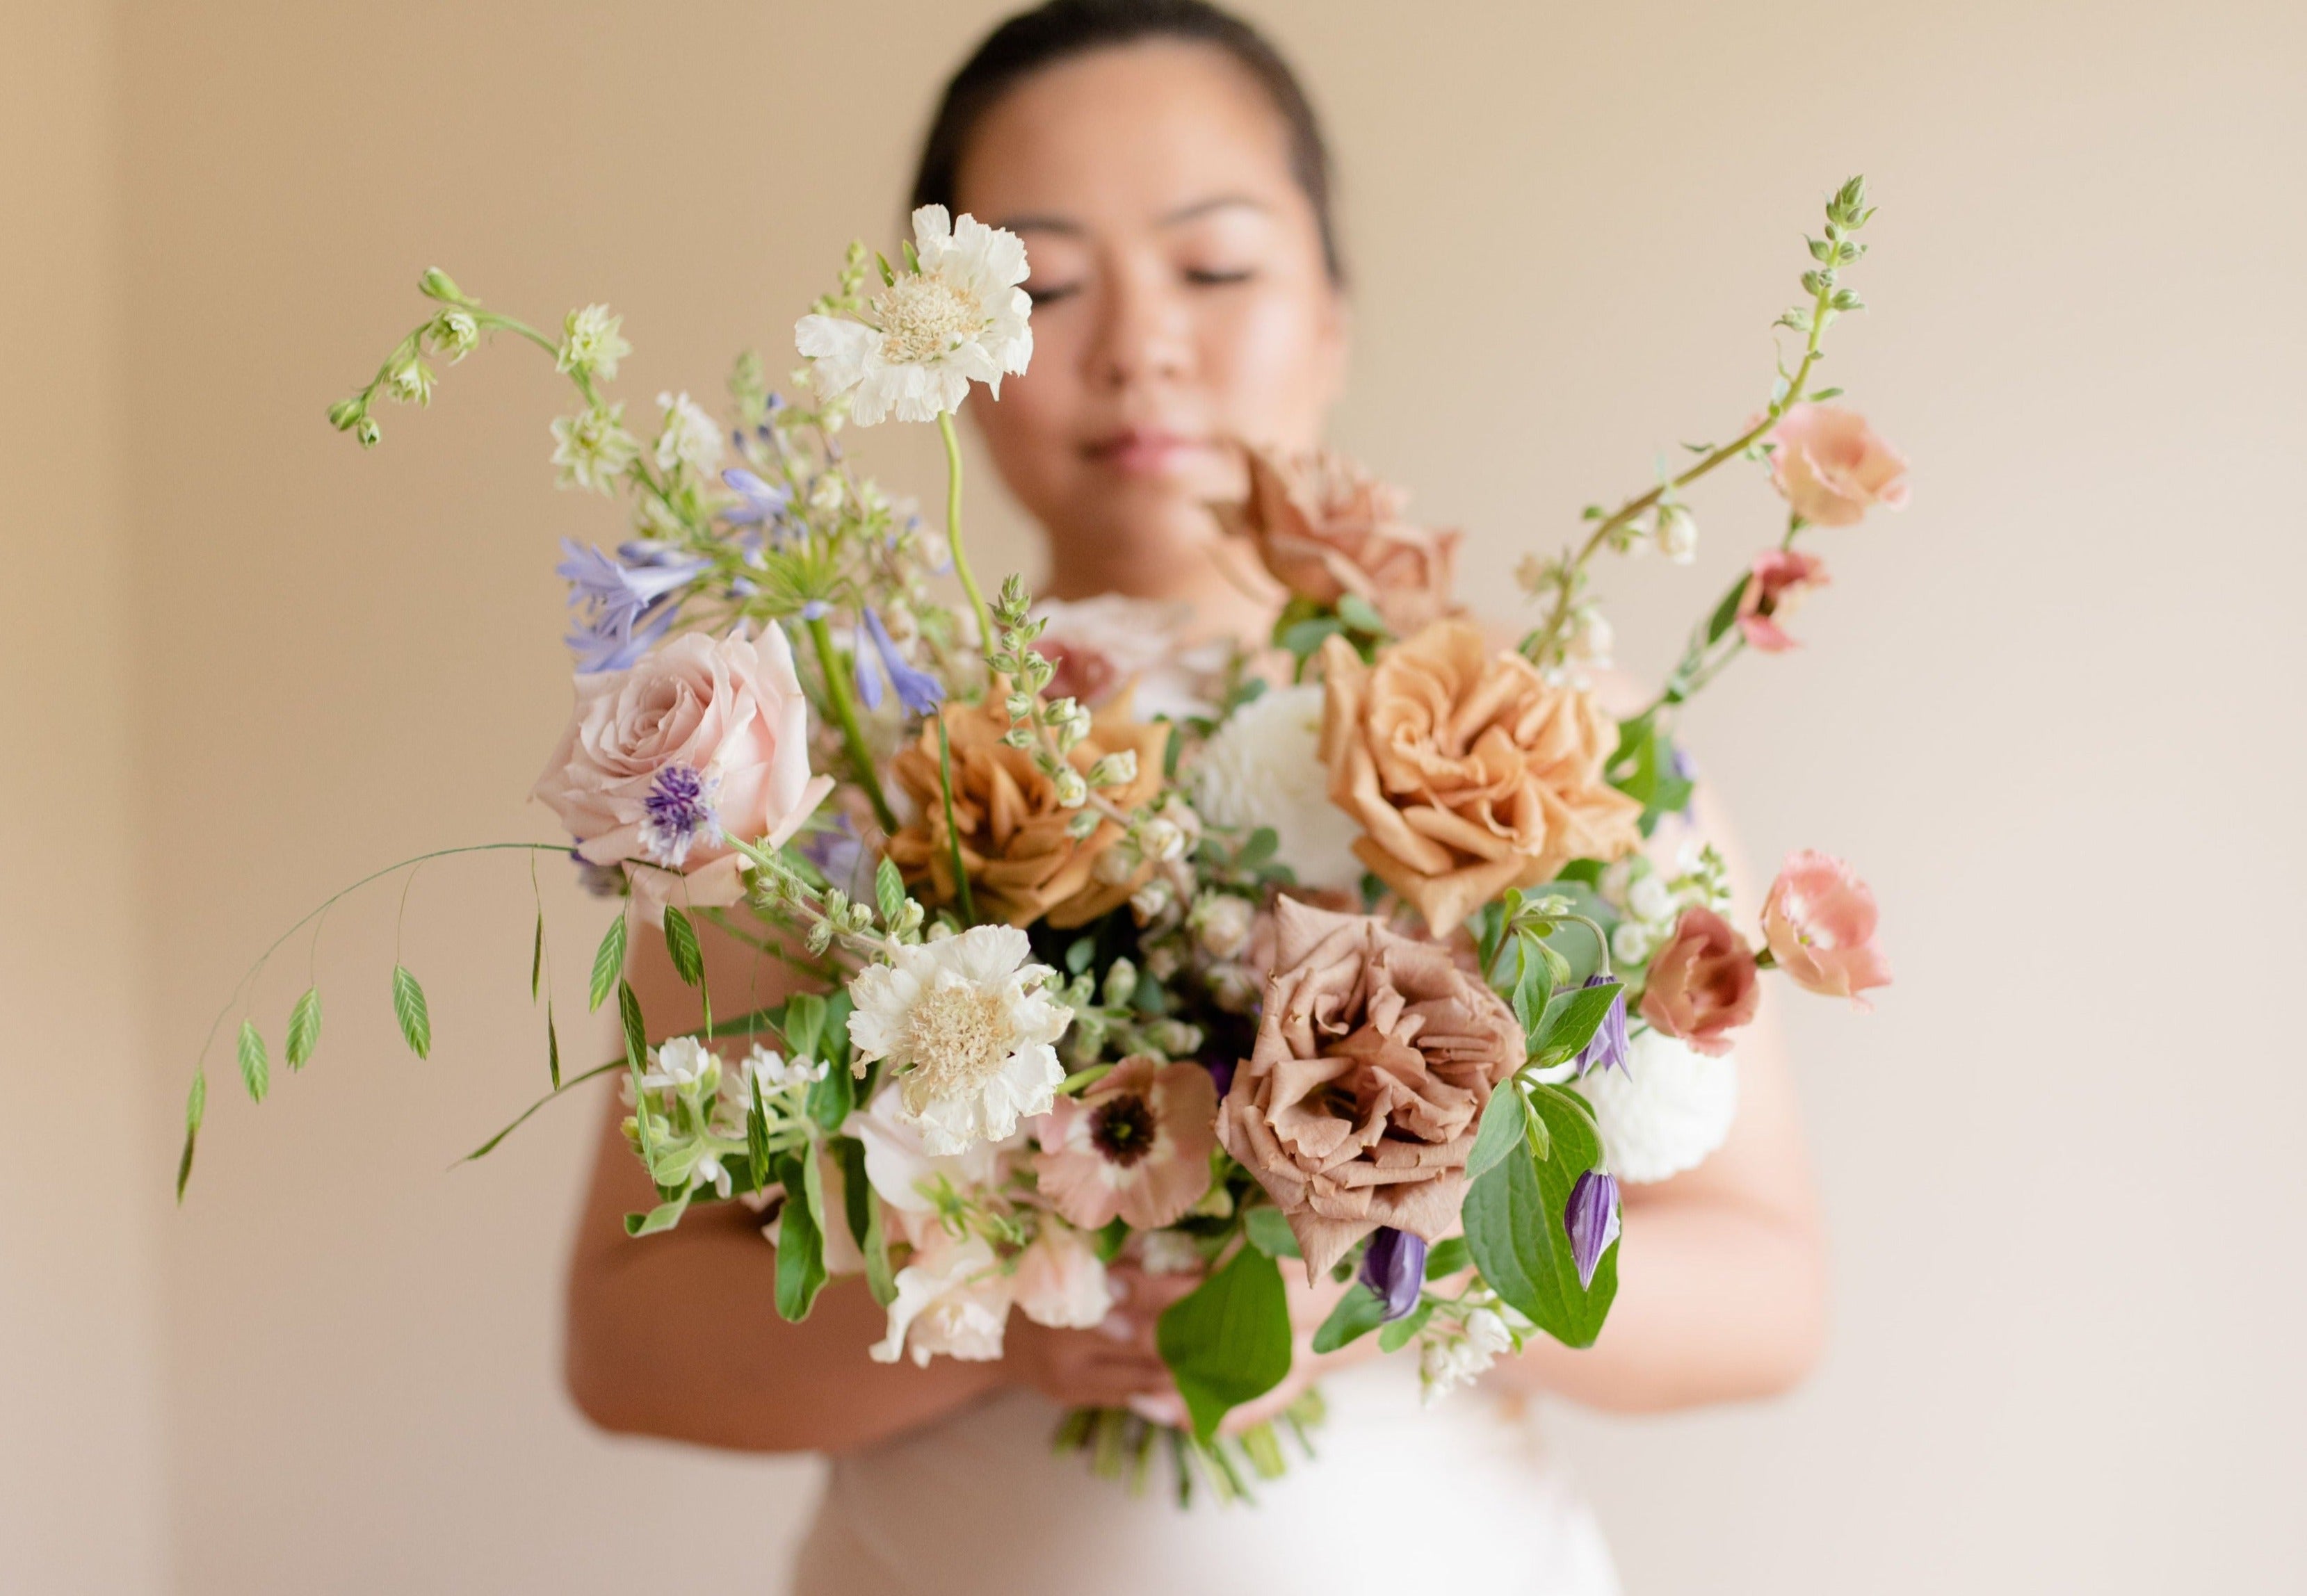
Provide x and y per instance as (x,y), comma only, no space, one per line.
(1023,866)
(1325,529)
(1374,1058)
(1467,771)
(1703,984)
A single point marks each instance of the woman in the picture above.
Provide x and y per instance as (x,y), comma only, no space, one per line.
(1170,184)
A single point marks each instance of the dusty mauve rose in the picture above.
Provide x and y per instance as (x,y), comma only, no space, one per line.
(1374,1058)
(1135,1145)
(1467,771)
(1325,529)
(1703,984)
(702,736)
(1818,921)
(1831,466)
(1779,580)
(1022,864)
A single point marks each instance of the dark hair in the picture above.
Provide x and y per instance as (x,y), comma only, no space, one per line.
(1061,30)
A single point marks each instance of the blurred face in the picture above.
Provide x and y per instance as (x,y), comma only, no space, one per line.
(1179,301)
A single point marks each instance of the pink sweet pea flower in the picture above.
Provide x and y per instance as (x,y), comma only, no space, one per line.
(1831,466)
(1135,1145)
(1818,921)
(1779,583)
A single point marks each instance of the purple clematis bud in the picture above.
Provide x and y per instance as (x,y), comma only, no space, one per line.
(1608,1044)
(1591,1219)
(1393,1267)
(917,690)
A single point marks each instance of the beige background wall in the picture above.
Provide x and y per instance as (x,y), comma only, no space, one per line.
(2052,710)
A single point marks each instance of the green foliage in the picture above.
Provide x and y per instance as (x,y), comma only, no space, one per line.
(803,1024)
(409,1007)
(681,945)
(304,1028)
(1359,1312)
(490,1146)
(1570,1021)
(660,1218)
(196,1108)
(1446,1259)
(864,1217)
(889,891)
(552,1048)
(628,1014)
(1227,1341)
(1268,1232)
(1515,1232)
(1500,1131)
(255,1071)
(608,962)
(1643,769)
(536,955)
(801,1235)
(1393,1337)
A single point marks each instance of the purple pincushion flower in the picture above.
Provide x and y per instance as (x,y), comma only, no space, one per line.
(1393,1267)
(624,602)
(917,690)
(1608,1045)
(1591,1219)
(678,812)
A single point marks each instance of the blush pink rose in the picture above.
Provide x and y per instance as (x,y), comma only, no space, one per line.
(725,715)
(1780,581)
(1703,984)
(1818,921)
(1833,467)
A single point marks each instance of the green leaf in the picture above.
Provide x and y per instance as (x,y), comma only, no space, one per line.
(629,1012)
(1515,1234)
(409,1007)
(757,1139)
(1110,1241)
(1078,953)
(1228,1340)
(829,1100)
(1726,612)
(804,1024)
(1301,638)
(864,1217)
(890,889)
(662,1217)
(1396,1336)
(1263,844)
(537,959)
(1500,1131)
(1359,1312)
(833,1042)
(304,1028)
(608,963)
(196,1108)
(256,1072)
(1270,1233)
(681,943)
(552,1048)
(1571,1019)
(1362,616)
(1446,1259)
(801,1236)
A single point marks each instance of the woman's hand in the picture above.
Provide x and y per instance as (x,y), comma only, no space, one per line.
(1112,1364)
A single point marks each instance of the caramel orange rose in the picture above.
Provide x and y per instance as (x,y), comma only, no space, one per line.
(1467,771)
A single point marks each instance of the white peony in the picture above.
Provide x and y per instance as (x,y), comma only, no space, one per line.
(1264,767)
(690,436)
(965,1023)
(1448,1360)
(952,1298)
(1665,1111)
(960,318)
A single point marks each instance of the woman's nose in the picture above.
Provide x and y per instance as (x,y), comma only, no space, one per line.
(1143,335)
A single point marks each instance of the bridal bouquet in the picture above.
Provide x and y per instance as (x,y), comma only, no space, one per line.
(1386,954)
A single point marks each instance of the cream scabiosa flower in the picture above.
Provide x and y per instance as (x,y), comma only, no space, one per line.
(959,317)
(1264,768)
(965,1024)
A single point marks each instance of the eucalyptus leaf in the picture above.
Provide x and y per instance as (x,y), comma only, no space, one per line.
(681,945)
(1227,1341)
(256,1070)
(303,1029)
(608,962)
(409,1007)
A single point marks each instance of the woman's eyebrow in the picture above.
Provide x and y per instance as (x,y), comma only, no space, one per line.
(1043,224)
(1202,207)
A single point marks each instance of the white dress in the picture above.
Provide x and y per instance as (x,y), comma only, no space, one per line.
(1399,1500)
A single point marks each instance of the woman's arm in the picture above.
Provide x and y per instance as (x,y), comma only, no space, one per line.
(676,1334)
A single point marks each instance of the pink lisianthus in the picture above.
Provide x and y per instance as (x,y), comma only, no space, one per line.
(1059,1280)
(1135,1145)
(1833,467)
(1702,986)
(1780,581)
(703,738)
(1818,921)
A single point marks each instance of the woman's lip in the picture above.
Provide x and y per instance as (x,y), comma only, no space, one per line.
(1146,453)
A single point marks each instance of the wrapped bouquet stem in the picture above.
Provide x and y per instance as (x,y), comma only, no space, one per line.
(1386,969)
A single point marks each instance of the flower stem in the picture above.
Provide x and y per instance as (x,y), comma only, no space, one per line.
(952,836)
(845,715)
(953,530)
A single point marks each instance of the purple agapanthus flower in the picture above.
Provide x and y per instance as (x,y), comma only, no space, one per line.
(917,690)
(1591,1219)
(1608,1045)
(1393,1267)
(625,602)
(678,812)
(838,852)
(758,502)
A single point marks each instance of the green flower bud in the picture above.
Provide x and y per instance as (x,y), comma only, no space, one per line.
(1120,981)
(344,414)
(436,284)
(368,432)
